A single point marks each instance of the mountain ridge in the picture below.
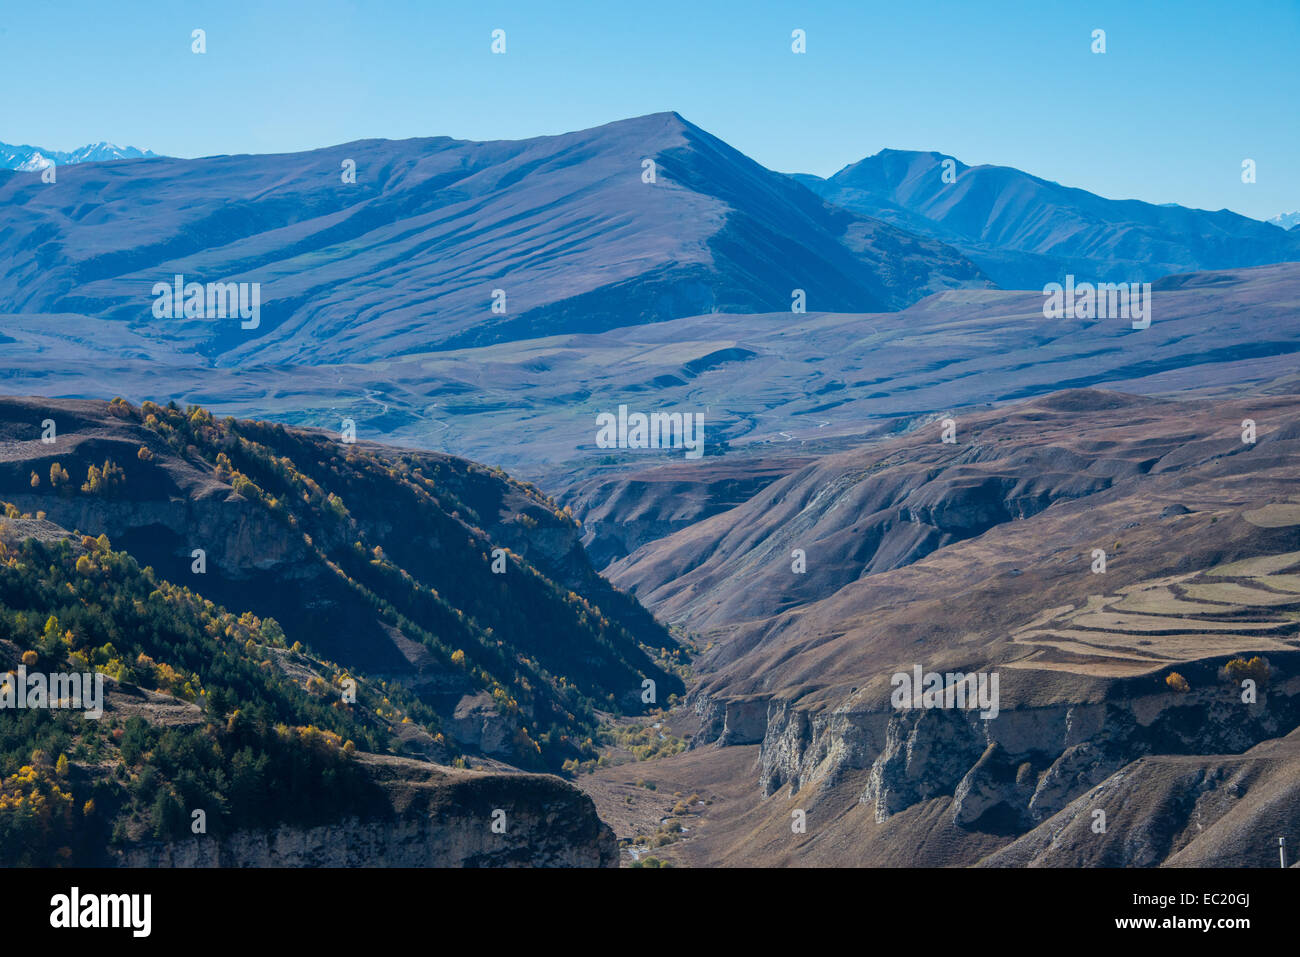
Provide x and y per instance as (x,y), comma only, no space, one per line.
(1025,231)
(24,158)
(297,526)
(569,233)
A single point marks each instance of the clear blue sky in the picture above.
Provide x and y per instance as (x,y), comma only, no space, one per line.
(1185,91)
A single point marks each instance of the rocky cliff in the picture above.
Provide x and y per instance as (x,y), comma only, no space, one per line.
(440,818)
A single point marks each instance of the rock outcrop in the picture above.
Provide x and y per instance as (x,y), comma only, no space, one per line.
(1009,773)
(439,818)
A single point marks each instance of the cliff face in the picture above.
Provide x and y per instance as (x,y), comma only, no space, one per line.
(356,844)
(440,818)
(1181,778)
(1027,764)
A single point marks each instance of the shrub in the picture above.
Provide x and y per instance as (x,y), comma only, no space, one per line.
(1256,668)
(1177,682)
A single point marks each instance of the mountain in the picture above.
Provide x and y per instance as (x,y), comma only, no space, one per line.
(407,258)
(790,393)
(229,576)
(342,654)
(1024,231)
(1286,220)
(28,158)
(890,502)
(209,723)
(623,507)
(378,559)
(1121,685)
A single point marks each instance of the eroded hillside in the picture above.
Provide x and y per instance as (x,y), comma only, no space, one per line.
(1123,564)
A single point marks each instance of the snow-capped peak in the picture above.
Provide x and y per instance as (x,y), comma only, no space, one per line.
(29,158)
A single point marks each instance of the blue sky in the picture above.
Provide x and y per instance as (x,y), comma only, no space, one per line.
(1184,93)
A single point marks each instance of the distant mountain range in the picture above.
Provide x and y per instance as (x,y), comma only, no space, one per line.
(444,244)
(28,158)
(376,296)
(407,258)
(1286,220)
(1024,231)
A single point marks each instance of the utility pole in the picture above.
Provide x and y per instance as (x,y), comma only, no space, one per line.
(1281,849)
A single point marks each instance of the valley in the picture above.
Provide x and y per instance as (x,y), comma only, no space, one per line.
(380,572)
(989,564)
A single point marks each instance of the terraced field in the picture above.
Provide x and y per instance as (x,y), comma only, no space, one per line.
(1249,606)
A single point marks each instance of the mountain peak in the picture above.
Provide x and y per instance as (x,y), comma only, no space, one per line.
(1024,231)
(27,158)
(646,219)
(664,121)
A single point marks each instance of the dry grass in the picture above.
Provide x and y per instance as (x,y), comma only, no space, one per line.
(1224,610)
